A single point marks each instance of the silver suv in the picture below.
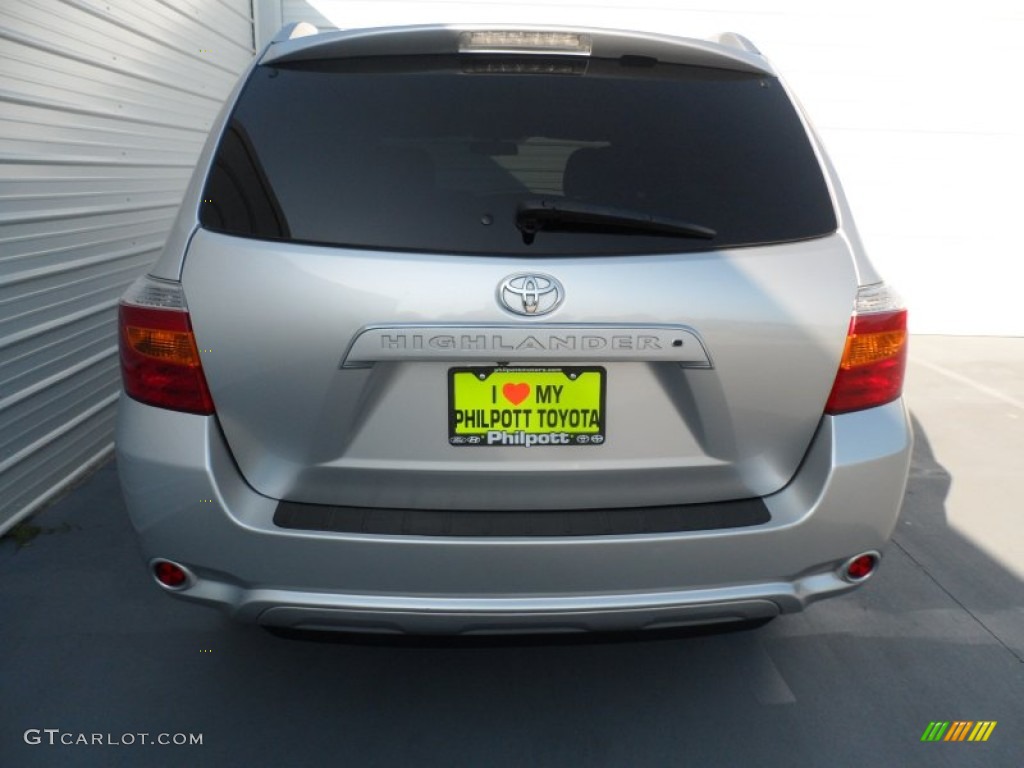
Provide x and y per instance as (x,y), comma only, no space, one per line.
(476,330)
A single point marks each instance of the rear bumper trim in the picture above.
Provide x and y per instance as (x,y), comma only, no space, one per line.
(585,522)
(654,616)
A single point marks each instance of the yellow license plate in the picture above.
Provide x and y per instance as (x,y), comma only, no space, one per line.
(526,406)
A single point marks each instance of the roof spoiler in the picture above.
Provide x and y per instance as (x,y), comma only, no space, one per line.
(727,51)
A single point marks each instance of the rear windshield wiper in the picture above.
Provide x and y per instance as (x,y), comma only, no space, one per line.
(533,216)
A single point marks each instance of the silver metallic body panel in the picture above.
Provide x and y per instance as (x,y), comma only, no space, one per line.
(273,321)
(844,500)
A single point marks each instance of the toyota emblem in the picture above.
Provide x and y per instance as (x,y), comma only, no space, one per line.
(526,293)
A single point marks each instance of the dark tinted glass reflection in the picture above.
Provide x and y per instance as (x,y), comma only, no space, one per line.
(436,153)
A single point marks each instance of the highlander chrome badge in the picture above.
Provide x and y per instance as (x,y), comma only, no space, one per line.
(528,294)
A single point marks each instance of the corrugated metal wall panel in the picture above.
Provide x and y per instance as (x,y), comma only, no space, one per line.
(104,107)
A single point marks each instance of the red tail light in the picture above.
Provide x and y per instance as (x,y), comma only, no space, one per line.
(875,358)
(160,362)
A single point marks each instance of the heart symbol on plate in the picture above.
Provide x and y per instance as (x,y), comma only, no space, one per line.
(516,393)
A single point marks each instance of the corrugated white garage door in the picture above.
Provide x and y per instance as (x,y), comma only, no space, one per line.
(917,103)
(104,105)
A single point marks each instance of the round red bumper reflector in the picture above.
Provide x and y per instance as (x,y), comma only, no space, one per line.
(169,574)
(861,567)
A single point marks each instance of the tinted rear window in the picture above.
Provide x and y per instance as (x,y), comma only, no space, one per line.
(437,153)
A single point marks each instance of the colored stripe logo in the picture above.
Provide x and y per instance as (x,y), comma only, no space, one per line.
(958,730)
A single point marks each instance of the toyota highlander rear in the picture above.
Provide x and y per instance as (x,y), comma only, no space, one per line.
(475,330)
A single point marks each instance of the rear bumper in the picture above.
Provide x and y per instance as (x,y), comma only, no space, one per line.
(189,504)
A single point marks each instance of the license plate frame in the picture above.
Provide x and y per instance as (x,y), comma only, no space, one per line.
(557,406)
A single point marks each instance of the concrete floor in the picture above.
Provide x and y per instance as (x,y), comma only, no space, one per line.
(89,645)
